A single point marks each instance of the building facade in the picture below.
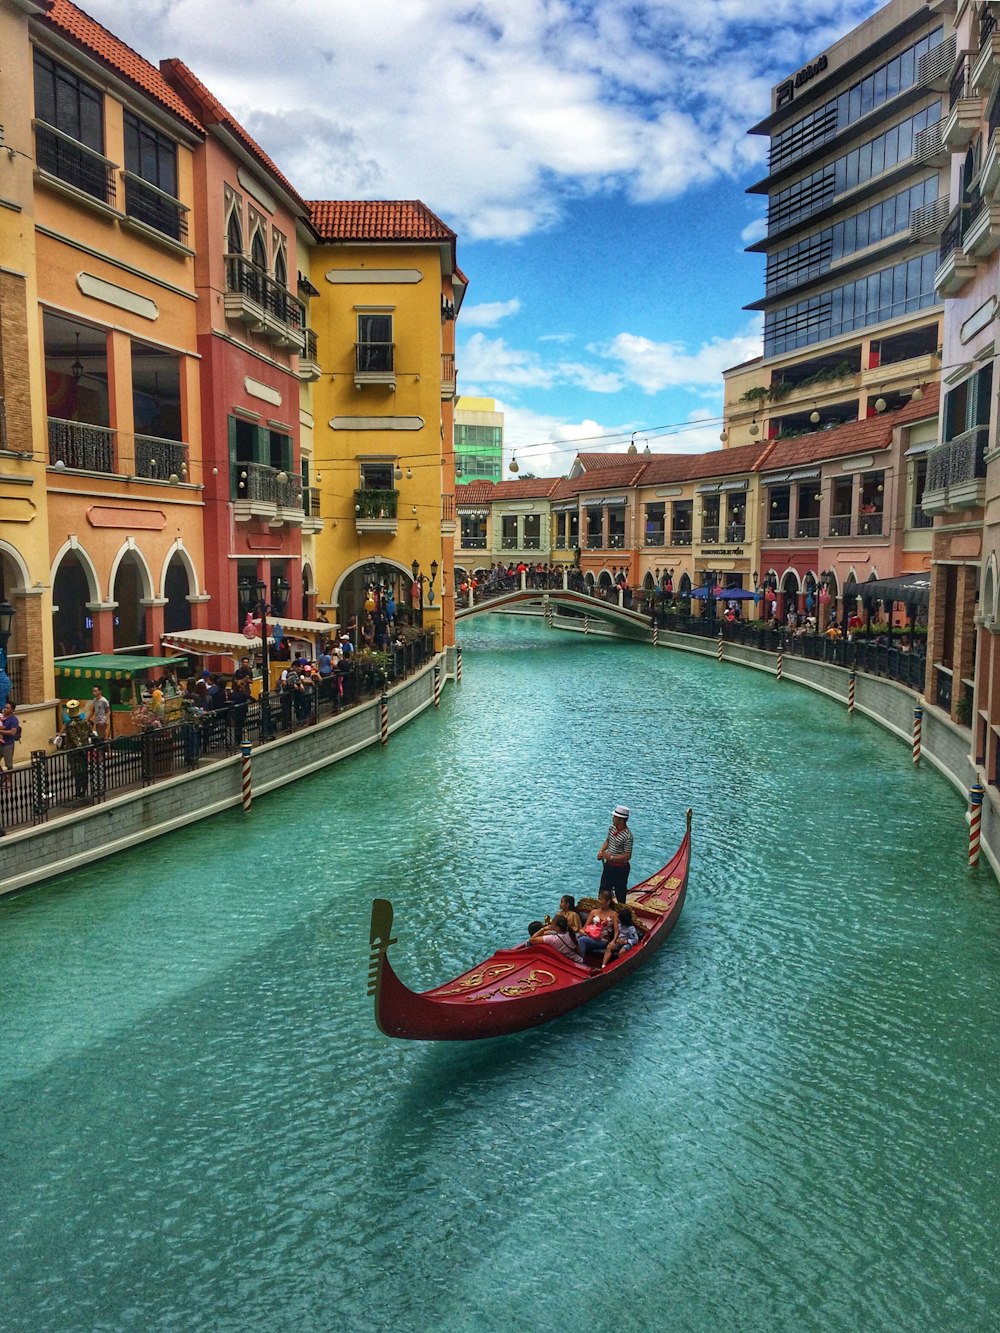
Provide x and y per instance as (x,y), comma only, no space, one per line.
(478,440)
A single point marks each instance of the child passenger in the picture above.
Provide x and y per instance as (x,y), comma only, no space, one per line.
(627,937)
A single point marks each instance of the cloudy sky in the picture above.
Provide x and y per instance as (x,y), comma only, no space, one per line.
(592,156)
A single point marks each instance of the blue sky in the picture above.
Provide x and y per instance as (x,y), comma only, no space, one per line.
(592,156)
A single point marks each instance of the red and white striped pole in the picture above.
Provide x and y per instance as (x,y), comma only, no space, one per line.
(458,664)
(586,623)
(918,722)
(718,651)
(247,776)
(384,718)
(975,820)
(656,635)
(852,681)
(781,662)
(437,684)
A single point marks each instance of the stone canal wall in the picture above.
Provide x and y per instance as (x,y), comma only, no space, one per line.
(944,744)
(83,836)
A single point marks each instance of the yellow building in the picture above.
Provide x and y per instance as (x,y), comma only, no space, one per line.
(383,464)
(24,540)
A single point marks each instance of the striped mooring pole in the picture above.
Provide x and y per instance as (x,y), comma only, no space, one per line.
(718,650)
(918,723)
(781,662)
(437,684)
(247,776)
(975,820)
(384,717)
(852,682)
(458,664)
(656,635)
(586,623)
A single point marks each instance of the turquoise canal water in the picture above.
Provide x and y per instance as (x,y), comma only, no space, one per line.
(788,1121)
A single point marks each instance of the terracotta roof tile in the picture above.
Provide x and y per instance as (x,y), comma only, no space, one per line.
(528,488)
(377,220)
(210,110)
(477,493)
(90,36)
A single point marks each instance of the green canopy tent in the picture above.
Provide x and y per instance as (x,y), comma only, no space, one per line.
(119,677)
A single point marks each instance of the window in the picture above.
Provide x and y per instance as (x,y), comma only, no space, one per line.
(374,345)
(473,532)
(655,519)
(508,532)
(151,180)
(69,138)
(377,476)
(532,532)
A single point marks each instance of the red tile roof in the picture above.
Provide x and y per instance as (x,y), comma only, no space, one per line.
(477,493)
(377,220)
(86,33)
(211,112)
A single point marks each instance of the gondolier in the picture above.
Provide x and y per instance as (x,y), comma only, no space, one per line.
(616,853)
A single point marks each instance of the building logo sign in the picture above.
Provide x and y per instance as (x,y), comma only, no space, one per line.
(787,90)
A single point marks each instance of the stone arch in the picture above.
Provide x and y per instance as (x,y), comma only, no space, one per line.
(684,586)
(178,583)
(179,553)
(347,596)
(75,591)
(15,570)
(647,583)
(131,586)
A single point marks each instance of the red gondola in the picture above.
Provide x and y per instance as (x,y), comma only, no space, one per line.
(523,986)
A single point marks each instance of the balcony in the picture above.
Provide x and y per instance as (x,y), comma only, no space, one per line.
(375,510)
(964,118)
(840,525)
(956,473)
(64,159)
(927,223)
(807,527)
(777,530)
(449,375)
(82,447)
(595,541)
(374,363)
(254,298)
(260,491)
(312,520)
(160,460)
(151,207)
(709,534)
(954,268)
(986,66)
(982,234)
(475,543)
(736,533)
(655,536)
(449,519)
(309,368)
(989,176)
(869,523)
(680,537)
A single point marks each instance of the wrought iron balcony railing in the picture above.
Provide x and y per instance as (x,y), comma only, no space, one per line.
(374,358)
(656,536)
(74,163)
(259,484)
(247,280)
(777,529)
(680,537)
(709,533)
(807,527)
(840,525)
(155,208)
(160,459)
(78,445)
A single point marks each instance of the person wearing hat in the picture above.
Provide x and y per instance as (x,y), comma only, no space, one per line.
(616,853)
(76,737)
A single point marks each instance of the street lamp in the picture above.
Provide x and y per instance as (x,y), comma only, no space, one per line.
(419,580)
(262,608)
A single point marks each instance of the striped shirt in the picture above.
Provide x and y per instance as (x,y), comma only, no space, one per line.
(619,844)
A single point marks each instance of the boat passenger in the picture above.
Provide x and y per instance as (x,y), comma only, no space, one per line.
(567,906)
(627,937)
(601,926)
(559,935)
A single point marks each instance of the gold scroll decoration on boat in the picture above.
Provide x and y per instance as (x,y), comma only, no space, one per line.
(485,974)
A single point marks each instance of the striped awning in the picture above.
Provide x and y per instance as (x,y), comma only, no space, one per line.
(212,643)
(309,629)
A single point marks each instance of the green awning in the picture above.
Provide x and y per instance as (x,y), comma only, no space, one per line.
(108,666)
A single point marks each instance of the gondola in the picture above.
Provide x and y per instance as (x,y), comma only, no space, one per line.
(525,985)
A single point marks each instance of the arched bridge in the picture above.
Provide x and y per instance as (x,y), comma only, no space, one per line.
(564,610)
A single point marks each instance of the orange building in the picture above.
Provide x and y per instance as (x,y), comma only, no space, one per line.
(113,154)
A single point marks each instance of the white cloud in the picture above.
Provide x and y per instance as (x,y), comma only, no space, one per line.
(657,366)
(497,115)
(488,314)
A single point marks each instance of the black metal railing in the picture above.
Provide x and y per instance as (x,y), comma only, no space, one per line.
(680,537)
(777,529)
(155,207)
(655,536)
(374,358)
(709,534)
(74,163)
(840,525)
(57,783)
(77,444)
(252,282)
(807,527)
(160,459)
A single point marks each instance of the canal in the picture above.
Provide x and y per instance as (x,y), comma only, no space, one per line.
(788,1121)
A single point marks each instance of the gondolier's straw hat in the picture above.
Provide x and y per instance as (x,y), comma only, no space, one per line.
(620,812)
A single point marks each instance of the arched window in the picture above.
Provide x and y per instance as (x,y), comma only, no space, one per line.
(280,269)
(258,251)
(234,234)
